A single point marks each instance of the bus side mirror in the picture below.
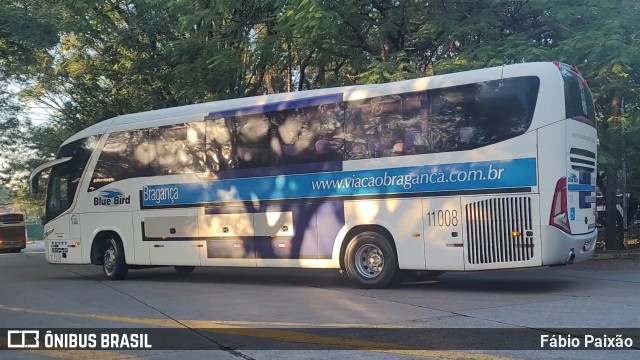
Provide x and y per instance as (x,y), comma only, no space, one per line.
(34,181)
(34,177)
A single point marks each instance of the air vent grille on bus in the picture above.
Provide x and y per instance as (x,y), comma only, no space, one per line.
(499,230)
(582,160)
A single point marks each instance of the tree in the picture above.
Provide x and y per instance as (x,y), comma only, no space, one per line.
(600,38)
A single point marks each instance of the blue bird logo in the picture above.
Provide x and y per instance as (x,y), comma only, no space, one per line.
(110,194)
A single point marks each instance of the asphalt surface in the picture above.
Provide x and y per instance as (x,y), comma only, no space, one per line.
(280,303)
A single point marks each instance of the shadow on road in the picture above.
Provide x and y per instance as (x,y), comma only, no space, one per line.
(482,283)
(523,282)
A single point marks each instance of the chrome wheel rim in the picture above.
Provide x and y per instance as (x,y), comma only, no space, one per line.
(369,261)
(109,261)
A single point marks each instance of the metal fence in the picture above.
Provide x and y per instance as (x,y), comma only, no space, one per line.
(631,237)
(35,231)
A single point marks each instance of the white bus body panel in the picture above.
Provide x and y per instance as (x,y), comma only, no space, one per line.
(228,231)
(580,153)
(401,217)
(60,247)
(119,222)
(172,238)
(555,141)
(443,233)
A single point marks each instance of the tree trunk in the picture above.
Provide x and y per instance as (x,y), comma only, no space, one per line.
(289,80)
(611,237)
(610,230)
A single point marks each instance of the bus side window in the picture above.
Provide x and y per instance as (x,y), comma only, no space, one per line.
(220,146)
(307,135)
(177,149)
(124,155)
(252,140)
(291,139)
(327,127)
(374,128)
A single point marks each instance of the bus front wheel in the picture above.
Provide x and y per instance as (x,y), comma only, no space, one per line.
(113,262)
(370,261)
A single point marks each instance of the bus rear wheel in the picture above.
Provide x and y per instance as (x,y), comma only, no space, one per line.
(113,262)
(370,261)
(184,269)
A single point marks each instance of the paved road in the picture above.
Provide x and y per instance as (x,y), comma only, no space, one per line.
(597,294)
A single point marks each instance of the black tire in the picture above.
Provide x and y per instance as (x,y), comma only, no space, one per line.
(370,261)
(184,269)
(114,265)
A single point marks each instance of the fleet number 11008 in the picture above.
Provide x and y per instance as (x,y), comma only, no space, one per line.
(442,218)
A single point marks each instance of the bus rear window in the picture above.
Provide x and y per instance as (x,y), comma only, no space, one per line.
(11,218)
(577,97)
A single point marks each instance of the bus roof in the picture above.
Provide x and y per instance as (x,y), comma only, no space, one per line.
(189,113)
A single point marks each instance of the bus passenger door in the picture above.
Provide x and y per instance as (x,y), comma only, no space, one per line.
(442,223)
(173,239)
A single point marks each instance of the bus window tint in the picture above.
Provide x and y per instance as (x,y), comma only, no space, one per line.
(65,178)
(374,127)
(578,99)
(252,140)
(124,155)
(307,135)
(448,119)
(177,149)
(293,139)
(220,146)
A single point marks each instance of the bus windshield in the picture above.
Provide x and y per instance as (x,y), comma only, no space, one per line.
(65,178)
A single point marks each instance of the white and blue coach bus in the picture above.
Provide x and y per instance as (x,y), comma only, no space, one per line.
(486,169)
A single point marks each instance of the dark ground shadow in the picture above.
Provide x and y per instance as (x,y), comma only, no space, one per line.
(514,282)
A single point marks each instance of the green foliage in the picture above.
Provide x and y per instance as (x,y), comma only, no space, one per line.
(5,196)
(25,36)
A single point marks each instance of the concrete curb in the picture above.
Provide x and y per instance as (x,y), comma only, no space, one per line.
(616,255)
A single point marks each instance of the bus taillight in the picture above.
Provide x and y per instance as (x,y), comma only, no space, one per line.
(559,216)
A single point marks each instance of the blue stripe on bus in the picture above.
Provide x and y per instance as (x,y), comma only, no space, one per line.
(279,106)
(581,187)
(405,180)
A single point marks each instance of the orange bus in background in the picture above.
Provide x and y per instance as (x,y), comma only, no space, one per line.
(13,232)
